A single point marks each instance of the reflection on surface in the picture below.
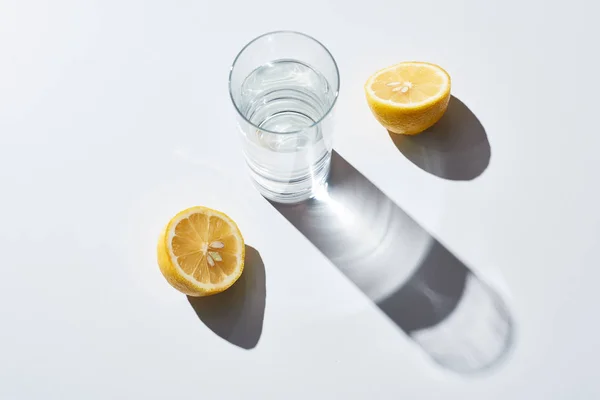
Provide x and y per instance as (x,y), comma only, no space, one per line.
(425,290)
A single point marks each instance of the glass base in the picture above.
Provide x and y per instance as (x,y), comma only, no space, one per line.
(292,191)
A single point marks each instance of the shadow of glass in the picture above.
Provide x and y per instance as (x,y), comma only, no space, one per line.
(237,314)
(425,290)
(455,148)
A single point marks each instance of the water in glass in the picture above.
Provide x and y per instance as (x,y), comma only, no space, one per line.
(289,153)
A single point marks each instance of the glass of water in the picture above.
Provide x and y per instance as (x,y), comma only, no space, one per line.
(284,86)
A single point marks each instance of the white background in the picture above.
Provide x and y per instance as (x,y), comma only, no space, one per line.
(114,115)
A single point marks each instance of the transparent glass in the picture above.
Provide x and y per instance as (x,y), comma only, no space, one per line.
(284,86)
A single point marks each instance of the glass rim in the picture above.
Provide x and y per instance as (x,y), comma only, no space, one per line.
(325,114)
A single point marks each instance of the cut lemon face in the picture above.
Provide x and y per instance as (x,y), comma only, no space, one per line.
(409,97)
(201,252)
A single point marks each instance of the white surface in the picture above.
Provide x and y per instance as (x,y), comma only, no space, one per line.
(115,115)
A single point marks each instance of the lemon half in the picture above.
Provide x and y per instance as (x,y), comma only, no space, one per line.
(409,97)
(201,252)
